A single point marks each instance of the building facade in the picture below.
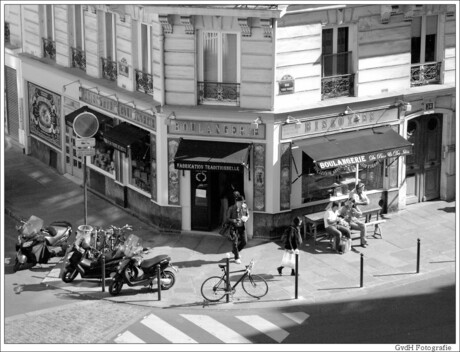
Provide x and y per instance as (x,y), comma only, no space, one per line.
(288,104)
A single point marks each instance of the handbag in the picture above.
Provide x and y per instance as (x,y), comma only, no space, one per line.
(288,259)
(228,231)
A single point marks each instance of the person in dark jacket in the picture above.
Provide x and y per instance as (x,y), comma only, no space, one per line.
(292,241)
(237,215)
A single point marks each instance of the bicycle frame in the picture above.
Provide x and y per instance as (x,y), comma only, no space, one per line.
(224,277)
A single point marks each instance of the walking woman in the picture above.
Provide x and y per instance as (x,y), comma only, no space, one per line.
(292,241)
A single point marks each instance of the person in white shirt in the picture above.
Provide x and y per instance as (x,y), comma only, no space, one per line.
(334,225)
(358,195)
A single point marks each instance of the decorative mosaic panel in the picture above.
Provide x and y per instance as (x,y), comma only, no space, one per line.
(153,168)
(173,173)
(285,176)
(259,177)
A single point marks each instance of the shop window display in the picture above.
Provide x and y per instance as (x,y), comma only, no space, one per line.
(104,158)
(141,166)
(322,184)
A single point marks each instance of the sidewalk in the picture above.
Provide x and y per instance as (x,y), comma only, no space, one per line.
(33,188)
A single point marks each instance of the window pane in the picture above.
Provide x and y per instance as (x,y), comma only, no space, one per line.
(78,27)
(49,21)
(431,25)
(327,48)
(342,40)
(430,48)
(416,27)
(415,50)
(210,56)
(327,41)
(145,44)
(109,35)
(229,52)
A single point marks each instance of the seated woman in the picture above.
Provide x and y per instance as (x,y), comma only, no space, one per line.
(334,225)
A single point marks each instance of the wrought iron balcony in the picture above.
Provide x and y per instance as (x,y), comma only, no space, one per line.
(49,48)
(220,93)
(7,33)
(79,59)
(337,86)
(144,82)
(423,74)
(109,69)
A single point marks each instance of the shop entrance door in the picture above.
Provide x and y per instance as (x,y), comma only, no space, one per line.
(423,168)
(208,188)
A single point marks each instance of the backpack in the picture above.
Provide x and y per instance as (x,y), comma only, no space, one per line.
(286,234)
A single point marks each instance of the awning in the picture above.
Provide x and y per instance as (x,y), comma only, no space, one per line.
(211,156)
(71,117)
(124,135)
(355,147)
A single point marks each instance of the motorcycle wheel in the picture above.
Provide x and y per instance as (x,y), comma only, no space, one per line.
(115,286)
(168,275)
(69,274)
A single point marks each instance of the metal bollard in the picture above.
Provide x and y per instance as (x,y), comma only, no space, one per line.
(228,279)
(362,270)
(296,275)
(159,282)
(418,255)
(103,272)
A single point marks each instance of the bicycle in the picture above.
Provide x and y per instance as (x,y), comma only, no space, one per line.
(214,288)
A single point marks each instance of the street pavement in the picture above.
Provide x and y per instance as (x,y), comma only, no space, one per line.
(32,188)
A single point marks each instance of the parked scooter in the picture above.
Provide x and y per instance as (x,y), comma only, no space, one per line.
(36,245)
(134,270)
(87,261)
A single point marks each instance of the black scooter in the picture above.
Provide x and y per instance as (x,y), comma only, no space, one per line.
(87,261)
(36,245)
(135,271)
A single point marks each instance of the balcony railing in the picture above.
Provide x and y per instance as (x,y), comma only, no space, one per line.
(219,93)
(423,74)
(109,69)
(79,59)
(337,86)
(337,75)
(49,48)
(7,33)
(144,82)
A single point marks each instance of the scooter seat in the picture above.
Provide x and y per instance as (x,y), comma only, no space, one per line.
(153,261)
(56,230)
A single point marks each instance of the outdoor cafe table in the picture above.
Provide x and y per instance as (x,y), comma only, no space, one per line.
(312,221)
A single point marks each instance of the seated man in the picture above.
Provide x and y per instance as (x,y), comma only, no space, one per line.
(350,213)
(334,225)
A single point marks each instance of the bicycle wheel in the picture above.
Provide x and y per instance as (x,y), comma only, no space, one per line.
(255,286)
(213,289)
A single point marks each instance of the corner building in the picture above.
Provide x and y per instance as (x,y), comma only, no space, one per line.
(288,104)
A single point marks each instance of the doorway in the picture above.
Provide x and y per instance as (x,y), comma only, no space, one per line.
(212,194)
(423,168)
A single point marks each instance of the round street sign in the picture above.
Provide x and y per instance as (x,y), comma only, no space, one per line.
(85,125)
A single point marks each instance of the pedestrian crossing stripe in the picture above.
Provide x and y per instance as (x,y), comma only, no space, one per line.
(264,326)
(213,327)
(216,328)
(166,330)
(128,337)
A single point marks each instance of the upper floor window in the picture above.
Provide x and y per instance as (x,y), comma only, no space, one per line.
(424,69)
(144,77)
(423,39)
(335,52)
(79,28)
(219,72)
(110,36)
(220,57)
(336,63)
(49,22)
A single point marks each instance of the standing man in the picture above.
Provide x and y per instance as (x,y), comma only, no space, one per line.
(358,195)
(237,215)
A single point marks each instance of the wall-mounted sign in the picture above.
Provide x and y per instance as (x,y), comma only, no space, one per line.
(286,85)
(339,122)
(121,109)
(217,129)
(123,68)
